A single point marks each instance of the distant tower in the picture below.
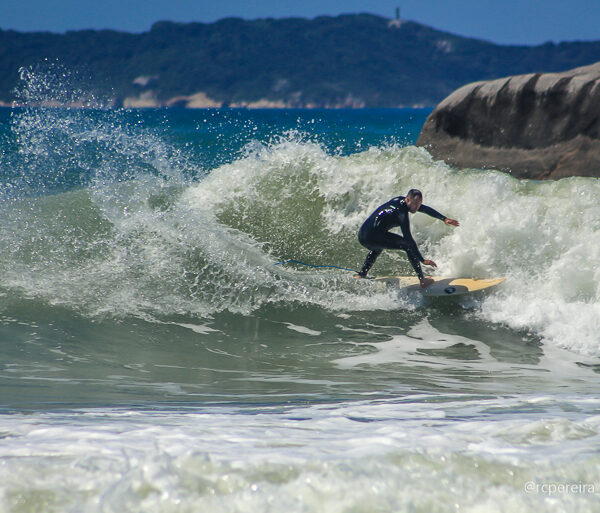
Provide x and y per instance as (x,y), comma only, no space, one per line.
(397,22)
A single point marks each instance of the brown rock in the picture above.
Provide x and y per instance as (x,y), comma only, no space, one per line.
(534,126)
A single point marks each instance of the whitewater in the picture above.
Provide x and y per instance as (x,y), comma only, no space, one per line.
(154,358)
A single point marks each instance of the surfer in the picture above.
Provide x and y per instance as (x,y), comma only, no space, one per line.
(374,234)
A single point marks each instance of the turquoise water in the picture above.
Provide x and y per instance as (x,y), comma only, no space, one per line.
(153,357)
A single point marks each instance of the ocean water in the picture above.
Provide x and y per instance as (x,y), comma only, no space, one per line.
(154,359)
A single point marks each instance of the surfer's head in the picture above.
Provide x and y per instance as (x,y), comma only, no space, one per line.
(414,199)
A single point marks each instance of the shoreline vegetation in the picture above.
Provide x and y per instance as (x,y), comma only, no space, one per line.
(349,61)
(197,101)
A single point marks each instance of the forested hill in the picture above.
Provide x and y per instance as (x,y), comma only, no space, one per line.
(350,60)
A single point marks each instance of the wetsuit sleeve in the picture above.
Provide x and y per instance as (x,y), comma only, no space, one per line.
(431,212)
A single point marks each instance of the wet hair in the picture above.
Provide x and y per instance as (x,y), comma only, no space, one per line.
(414,193)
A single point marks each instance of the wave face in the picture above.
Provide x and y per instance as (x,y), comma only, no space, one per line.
(107,218)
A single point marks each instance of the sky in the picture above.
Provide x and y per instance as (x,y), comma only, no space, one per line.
(526,22)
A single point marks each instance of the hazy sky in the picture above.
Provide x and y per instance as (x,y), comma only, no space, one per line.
(500,21)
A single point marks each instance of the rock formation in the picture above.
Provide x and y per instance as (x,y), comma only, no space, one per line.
(535,126)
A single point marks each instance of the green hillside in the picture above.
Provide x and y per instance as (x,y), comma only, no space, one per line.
(352,60)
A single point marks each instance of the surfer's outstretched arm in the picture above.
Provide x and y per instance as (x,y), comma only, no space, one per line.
(434,213)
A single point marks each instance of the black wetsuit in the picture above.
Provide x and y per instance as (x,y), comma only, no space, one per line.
(374,234)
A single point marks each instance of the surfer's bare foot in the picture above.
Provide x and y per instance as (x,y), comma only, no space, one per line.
(359,275)
(425,282)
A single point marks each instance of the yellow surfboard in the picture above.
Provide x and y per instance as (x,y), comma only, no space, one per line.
(441,286)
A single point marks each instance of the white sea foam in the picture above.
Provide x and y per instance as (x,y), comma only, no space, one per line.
(378,455)
(303,329)
(203,329)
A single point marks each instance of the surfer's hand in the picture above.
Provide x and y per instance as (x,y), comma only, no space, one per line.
(452,222)
(430,262)
(425,282)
